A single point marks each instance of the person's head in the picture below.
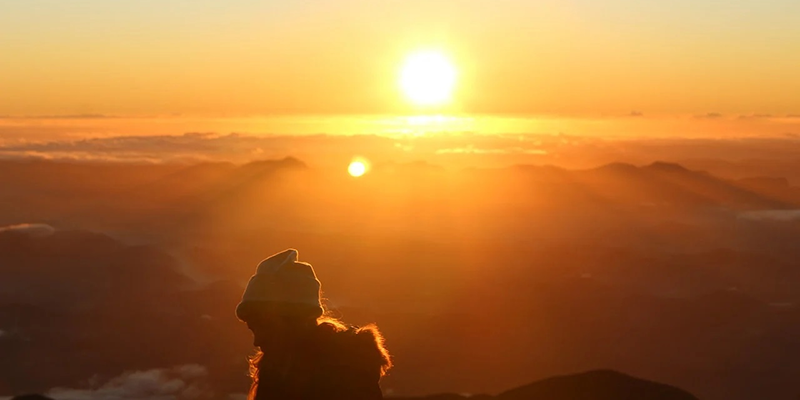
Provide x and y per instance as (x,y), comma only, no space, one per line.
(281,301)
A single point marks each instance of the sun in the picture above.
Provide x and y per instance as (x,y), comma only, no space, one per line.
(358,167)
(428,78)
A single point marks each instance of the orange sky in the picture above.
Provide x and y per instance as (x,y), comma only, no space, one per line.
(516,57)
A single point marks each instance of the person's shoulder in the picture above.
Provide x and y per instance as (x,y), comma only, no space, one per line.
(353,360)
(370,340)
(360,347)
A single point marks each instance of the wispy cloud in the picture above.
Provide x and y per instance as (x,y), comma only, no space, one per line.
(60,116)
(478,150)
(756,116)
(36,230)
(771,215)
(711,115)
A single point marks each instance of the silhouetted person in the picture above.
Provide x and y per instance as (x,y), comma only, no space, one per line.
(303,354)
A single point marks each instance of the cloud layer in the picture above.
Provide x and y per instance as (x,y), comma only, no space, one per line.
(724,157)
(180,382)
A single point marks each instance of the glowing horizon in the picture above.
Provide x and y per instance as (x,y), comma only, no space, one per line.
(610,127)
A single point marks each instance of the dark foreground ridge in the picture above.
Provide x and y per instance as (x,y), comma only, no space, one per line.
(592,385)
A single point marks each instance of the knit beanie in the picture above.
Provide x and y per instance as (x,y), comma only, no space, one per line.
(281,279)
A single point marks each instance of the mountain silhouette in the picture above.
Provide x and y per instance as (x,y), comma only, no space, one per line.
(672,184)
(596,385)
(592,385)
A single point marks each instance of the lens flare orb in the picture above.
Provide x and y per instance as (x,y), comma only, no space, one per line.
(357,168)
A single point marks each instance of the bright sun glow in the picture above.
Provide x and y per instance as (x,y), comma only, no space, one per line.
(428,78)
(357,168)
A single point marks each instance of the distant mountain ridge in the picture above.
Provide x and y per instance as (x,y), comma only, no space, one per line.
(203,186)
(591,385)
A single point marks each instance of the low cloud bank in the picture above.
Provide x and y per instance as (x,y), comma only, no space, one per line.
(442,148)
(181,382)
(212,147)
